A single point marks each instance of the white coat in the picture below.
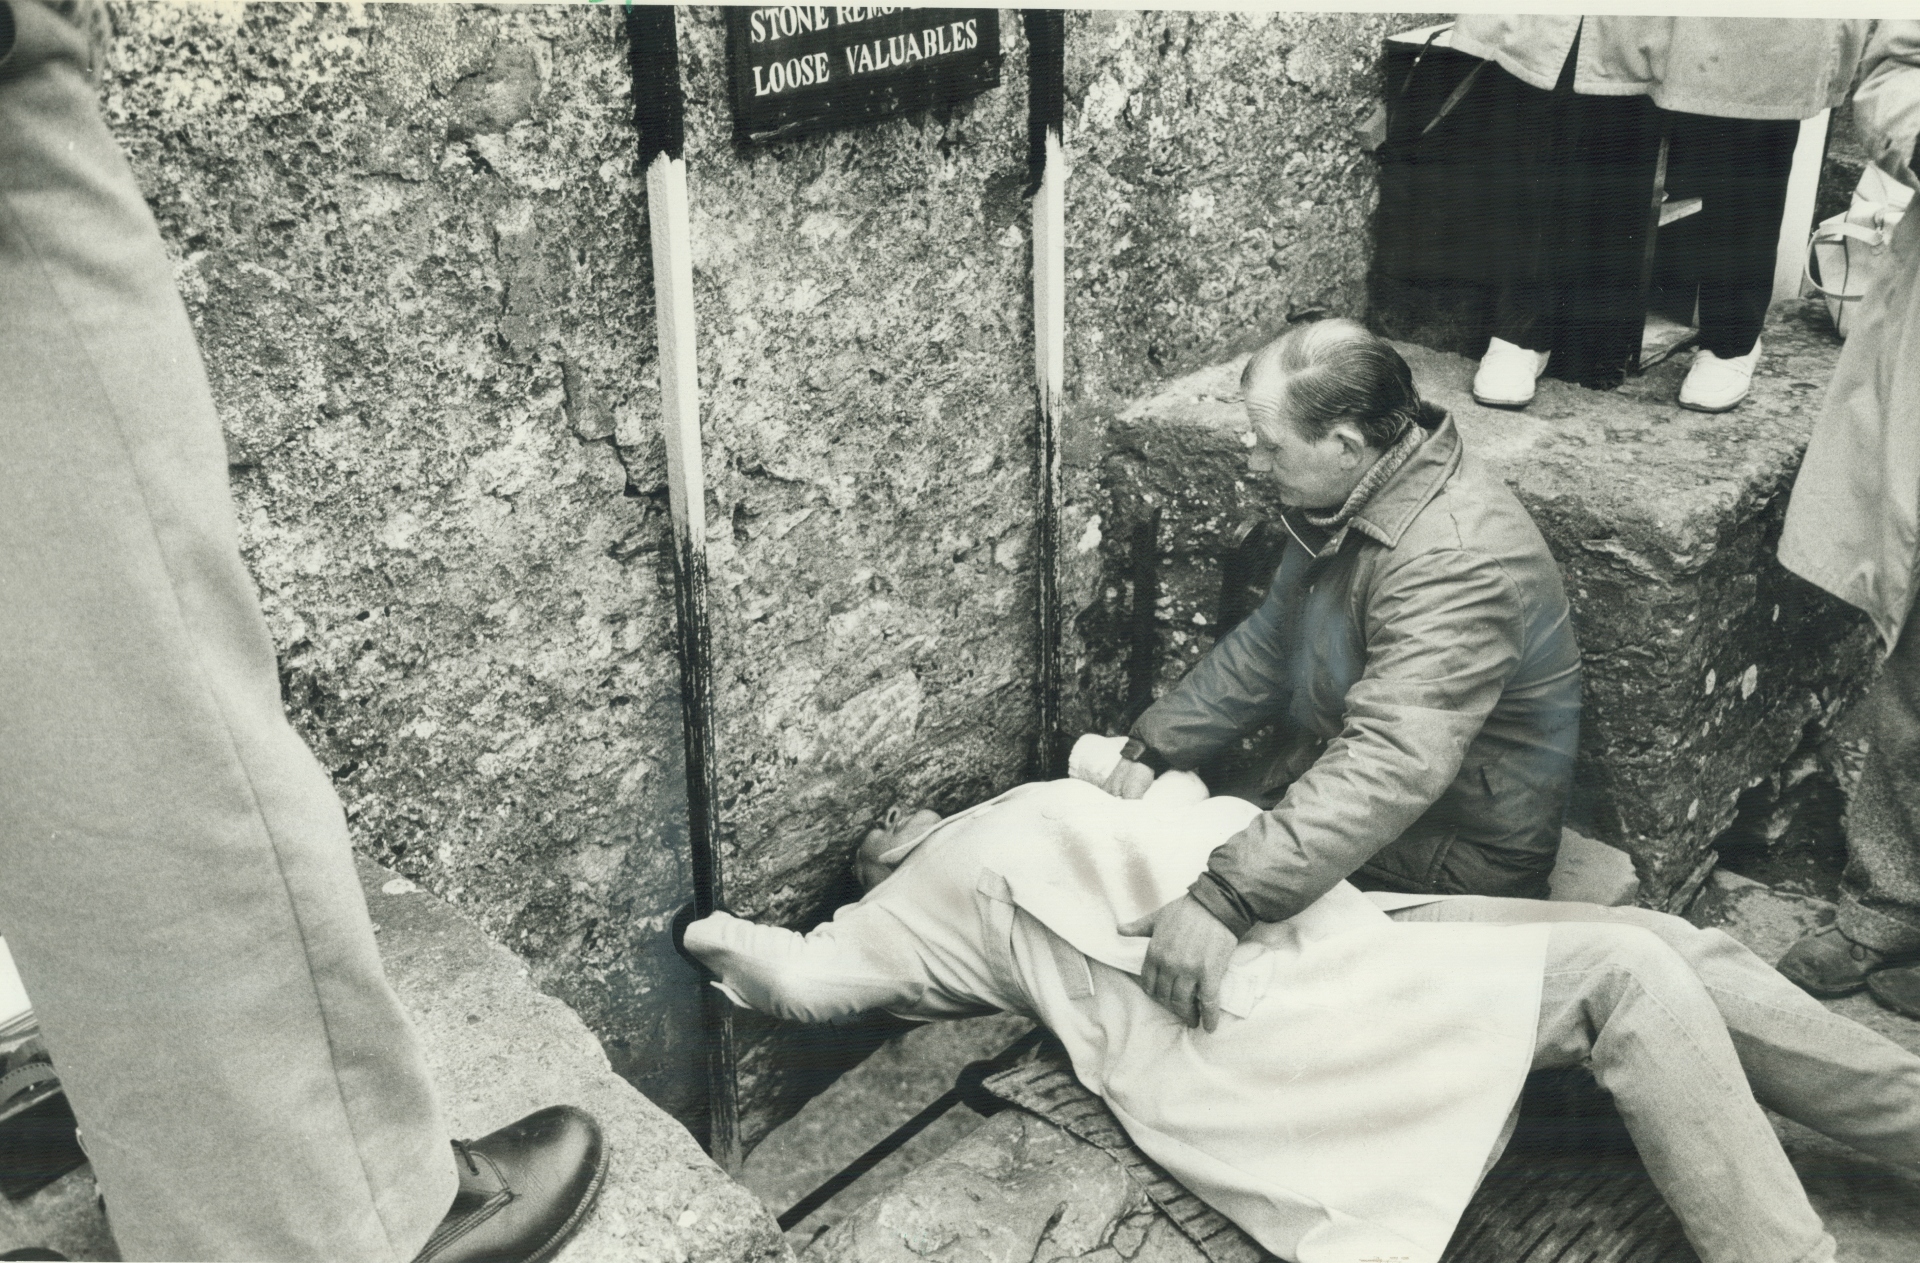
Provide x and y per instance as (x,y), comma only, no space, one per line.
(1853,524)
(1363,1072)
(1758,68)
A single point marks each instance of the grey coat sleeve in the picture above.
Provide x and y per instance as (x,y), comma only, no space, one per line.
(1443,638)
(1239,685)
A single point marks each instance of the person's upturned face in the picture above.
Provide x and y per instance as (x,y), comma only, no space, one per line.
(899,828)
(1310,473)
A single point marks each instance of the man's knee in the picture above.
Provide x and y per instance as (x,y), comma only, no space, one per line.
(1620,947)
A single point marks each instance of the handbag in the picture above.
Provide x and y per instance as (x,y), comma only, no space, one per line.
(1847,252)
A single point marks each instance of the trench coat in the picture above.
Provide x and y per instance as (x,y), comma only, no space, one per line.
(1422,670)
(1757,68)
(1362,1076)
(1853,523)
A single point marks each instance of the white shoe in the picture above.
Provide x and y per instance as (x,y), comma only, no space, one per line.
(1714,384)
(1508,375)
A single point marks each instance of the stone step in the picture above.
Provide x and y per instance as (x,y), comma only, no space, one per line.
(1707,666)
(498,1049)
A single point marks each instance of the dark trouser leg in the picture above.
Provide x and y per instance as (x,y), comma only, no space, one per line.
(1526,127)
(175,880)
(1880,891)
(1739,169)
(1573,222)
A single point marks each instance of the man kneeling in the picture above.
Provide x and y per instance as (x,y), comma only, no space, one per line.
(1358,1082)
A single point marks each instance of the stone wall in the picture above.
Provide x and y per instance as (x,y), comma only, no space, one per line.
(415,247)
(407,237)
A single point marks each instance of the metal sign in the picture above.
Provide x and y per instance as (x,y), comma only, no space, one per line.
(800,69)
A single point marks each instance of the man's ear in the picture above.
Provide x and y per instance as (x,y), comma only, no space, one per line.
(1354,448)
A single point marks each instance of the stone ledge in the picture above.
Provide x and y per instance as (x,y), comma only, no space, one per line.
(499,1049)
(1707,664)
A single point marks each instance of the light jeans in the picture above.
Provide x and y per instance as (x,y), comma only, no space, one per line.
(1687,1029)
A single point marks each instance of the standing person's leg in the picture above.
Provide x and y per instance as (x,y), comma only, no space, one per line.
(1743,166)
(1617,999)
(1612,153)
(1527,127)
(1740,169)
(177,887)
(1879,920)
(1813,1066)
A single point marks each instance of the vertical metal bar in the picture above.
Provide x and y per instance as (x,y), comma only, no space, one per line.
(659,117)
(1655,201)
(1046,107)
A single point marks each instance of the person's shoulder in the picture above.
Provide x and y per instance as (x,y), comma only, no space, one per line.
(1477,513)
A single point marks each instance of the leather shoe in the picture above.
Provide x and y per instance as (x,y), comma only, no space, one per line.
(1828,964)
(523,1190)
(1898,989)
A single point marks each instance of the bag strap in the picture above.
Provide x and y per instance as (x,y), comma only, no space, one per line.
(1806,267)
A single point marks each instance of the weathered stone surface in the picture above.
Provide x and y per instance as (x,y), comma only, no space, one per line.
(867,1103)
(415,248)
(1706,663)
(866,353)
(498,1049)
(1590,871)
(1017,1189)
(1218,189)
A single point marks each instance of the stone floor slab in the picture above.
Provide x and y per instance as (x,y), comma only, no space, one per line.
(499,1048)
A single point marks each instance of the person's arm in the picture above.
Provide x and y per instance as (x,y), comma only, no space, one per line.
(840,969)
(1886,105)
(1235,688)
(1443,638)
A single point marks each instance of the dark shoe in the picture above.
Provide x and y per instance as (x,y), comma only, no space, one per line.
(1828,964)
(523,1190)
(1898,989)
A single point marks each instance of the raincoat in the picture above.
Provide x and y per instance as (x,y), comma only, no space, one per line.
(1757,68)
(1421,666)
(1853,524)
(1363,1073)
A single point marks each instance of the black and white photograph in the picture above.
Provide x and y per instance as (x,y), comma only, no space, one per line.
(635,633)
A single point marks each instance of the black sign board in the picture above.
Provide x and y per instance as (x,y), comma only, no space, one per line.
(798,69)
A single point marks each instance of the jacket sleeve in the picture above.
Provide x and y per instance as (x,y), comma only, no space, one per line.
(1230,692)
(845,967)
(1443,637)
(1886,106)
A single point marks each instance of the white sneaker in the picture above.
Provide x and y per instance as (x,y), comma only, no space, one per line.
(1508,375)
(1714,384)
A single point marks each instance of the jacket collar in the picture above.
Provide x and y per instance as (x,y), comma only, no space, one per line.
(1392,508)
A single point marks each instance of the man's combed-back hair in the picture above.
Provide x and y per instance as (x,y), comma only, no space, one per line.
(1335,370)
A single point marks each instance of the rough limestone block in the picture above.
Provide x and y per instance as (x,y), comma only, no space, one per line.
(498,1048)
(1706,665)
(1017,1189)
(1590,871)
(415,248)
